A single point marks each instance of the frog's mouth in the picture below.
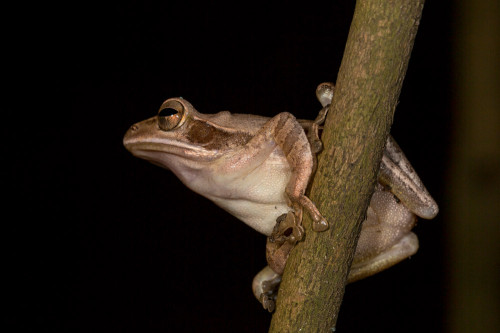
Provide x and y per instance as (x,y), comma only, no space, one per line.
(143,140)
(165,152)
(153,148)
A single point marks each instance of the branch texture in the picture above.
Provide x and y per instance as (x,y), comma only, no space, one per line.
(368,85)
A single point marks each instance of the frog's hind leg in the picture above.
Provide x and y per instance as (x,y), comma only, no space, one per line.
(404,248)
(397,174)
(265,287)
(286,233)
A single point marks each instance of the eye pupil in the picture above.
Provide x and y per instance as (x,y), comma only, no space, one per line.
(166,112)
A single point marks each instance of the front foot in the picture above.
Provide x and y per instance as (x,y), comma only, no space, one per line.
(320,225)
(319,222)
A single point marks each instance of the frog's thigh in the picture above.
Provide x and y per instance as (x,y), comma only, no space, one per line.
(407,246)
(397,172)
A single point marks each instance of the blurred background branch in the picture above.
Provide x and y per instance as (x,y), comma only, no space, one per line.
(473,208)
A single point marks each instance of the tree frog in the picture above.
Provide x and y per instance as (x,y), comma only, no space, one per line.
(258,169)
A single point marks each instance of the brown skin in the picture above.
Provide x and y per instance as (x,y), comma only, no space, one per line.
(258,169)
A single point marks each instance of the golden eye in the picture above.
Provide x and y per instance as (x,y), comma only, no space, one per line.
(170,115)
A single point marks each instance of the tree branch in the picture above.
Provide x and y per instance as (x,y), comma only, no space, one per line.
(368,85)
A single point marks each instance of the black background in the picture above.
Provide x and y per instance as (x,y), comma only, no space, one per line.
(102,241)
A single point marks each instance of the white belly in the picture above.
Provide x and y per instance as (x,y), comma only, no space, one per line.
(256,198)
(260,216)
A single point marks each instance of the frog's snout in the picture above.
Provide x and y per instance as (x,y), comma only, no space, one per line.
(129,135)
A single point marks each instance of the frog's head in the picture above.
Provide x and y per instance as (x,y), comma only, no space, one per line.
(180,133)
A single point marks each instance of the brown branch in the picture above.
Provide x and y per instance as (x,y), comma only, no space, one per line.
(368,85)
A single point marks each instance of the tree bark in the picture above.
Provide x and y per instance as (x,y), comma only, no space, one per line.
(368,85)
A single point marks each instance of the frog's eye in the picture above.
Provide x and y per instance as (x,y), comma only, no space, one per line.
(170,115)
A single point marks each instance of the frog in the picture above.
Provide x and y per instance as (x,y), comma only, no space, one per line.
(259,168)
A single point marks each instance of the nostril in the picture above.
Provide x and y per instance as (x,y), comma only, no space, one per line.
(134,128)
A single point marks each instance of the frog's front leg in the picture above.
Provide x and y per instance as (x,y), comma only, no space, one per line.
(291,138)
(285,132)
